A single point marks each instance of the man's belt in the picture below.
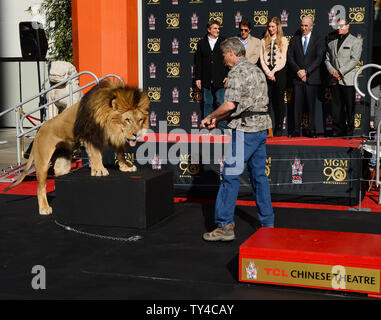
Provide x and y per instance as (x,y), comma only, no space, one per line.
(248,113)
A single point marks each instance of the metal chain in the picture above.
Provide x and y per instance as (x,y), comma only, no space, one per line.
(99,236)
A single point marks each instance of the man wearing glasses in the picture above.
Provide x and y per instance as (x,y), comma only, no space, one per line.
(251,44)
(342,57)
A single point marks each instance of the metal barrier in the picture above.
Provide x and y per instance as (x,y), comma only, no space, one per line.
(369,88)
(20,132)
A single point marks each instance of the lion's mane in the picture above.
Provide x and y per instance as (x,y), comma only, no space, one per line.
(98,122)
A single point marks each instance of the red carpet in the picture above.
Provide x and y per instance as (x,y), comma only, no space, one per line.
(370,201)
(216,138)
(28,188)
(320,141)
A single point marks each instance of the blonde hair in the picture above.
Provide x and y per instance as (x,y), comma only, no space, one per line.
(279,34)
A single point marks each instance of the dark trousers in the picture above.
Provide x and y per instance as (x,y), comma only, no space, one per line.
(343,109)
(213,98)
(304,94)
(276,90)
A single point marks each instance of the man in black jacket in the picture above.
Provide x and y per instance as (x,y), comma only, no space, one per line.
(304,56)
(210,70)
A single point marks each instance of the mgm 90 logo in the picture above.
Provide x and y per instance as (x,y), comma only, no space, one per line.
(173,69)
(219,16)
(129,157)
(153,45)
(308,13)
(189,165)
(193,44)
(356,15)
(154,94)
(268,167)
(173,20)
(335,170)
(357,120)
(173,118)
(195,95)
(261,17)
(358,66)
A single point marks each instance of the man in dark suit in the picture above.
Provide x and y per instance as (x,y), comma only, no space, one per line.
(210,70)
(304,56)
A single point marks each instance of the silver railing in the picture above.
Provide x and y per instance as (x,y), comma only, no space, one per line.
(20,132)
(369,88)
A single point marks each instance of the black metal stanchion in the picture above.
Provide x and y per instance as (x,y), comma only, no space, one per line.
(360,208)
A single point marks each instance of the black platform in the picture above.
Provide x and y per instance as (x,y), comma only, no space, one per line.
(134,200)
(171,261)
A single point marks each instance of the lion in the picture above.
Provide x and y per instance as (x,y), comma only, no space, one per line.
(110,114)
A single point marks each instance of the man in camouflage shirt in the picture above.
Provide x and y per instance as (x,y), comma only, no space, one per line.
(246,110)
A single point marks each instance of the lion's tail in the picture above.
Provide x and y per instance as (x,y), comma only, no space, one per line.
(23,175)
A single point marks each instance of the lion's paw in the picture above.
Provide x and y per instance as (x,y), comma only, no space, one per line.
(132,169)
(99,172)
(126,168)
(46,211)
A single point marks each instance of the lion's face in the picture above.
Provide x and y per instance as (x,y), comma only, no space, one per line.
(129,118)
(134,124)
(112,114)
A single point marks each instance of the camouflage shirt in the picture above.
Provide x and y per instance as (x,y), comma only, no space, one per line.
(248,88)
